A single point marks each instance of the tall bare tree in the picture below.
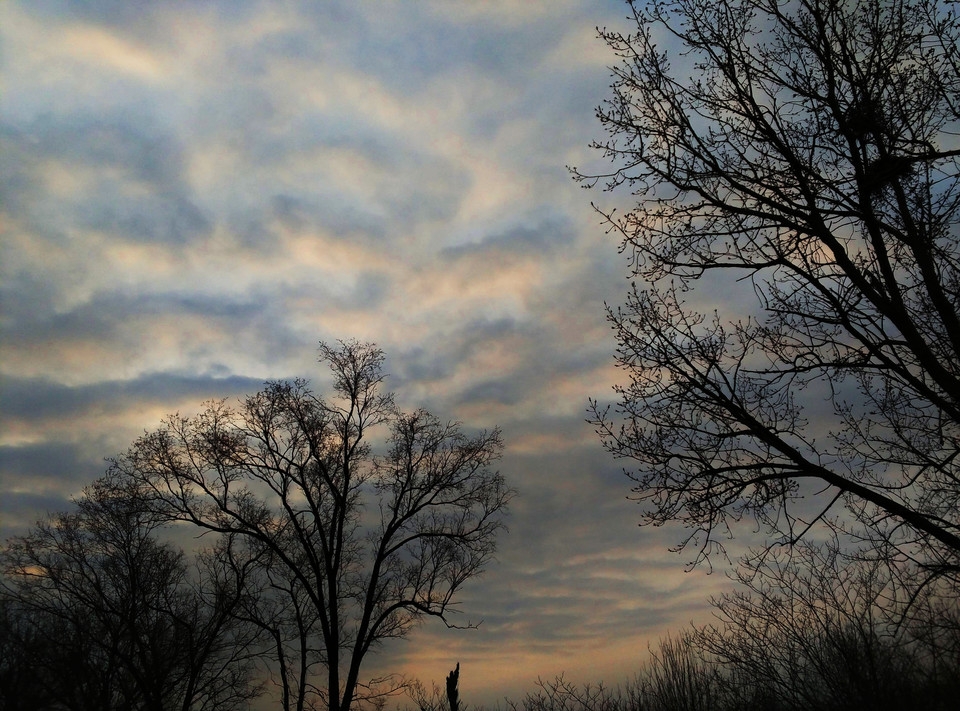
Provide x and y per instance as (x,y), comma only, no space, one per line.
(793,330)
(374,543)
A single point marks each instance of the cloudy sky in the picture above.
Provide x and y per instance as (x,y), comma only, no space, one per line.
(195,193)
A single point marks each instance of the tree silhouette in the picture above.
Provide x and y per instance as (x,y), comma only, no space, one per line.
(791,340)
(101,615)
(453,691)
(371,544)
(814,629)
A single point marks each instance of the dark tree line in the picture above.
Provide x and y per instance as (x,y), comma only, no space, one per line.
(99,613)
(316,551)
(807,631)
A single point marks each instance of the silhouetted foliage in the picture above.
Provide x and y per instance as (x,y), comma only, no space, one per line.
(100,614)
(26,648)
(815,629)
(350,548)
(562,695)
(276,603)
(437,699)
(796,170)
(774,661)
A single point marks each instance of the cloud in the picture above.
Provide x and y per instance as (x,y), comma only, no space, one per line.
(32,400)
(195,193)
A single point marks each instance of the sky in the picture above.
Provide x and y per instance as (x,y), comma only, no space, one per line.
(195,193)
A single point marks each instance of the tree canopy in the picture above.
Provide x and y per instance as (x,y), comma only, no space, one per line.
(99,613)
(351,546)
(791,340)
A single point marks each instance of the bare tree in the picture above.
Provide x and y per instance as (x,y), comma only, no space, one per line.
(437,699)
(373,543)
(793,330)
(678,679)
(276,602)
(25,650)
(107,616)
(812,628)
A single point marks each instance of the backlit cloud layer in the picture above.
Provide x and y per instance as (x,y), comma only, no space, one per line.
(195,193)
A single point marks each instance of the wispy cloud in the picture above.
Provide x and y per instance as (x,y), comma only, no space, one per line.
(195,193)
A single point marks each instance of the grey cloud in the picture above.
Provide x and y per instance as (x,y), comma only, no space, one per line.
(38,478)
(106,314)
(26,297)
(306,211)
(371,290)
(135,18)
(38,399)
(538,236)
(444,47)
(118,153)
(49,459)
(106,12)
(20,510)
(407,187)
(18,185)
(380,43)
(254,223)
(418,364)
(494,390)
(259,319)
(544,358)
(439,360)
(572,557)
(122,140)
(166,218)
